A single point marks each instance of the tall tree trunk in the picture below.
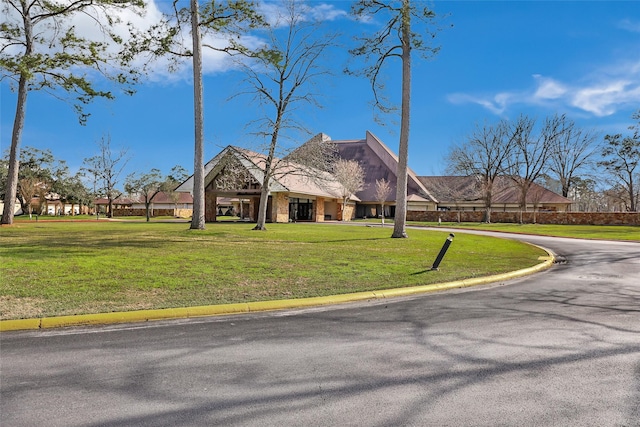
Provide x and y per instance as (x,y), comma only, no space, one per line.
(488,198)
(632,199)
(198,219)
(262,207)
(11,190)
(403,155)
(264,194)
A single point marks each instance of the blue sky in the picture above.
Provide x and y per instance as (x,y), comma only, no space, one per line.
(499,60)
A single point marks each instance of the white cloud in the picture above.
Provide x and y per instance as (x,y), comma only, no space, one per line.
(275,12)
(88,26)
(601,93)
(629,25)
(327,12)
(548,88)
(496,104)
(604,100)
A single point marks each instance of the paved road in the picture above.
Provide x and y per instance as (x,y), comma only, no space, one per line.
(561,348)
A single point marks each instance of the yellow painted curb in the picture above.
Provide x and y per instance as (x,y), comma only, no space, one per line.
(249,307)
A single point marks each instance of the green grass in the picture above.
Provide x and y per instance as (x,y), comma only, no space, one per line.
(603,232)
(607,232)
(60,268)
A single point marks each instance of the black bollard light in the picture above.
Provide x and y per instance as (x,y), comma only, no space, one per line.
(443,251)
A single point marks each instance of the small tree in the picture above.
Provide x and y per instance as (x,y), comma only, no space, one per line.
(570,153)
(29,187)
(176,177)
(455,190)
(35,175)
(531,151)
(621,159)
(484,155)
(145,186)
(383,189)
(350,175)
(107,166)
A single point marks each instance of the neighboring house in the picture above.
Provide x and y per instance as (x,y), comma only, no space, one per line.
(161,204)
(17,207)
(296,193)
(53,205)
(463,193)
(165,204)
(119,203)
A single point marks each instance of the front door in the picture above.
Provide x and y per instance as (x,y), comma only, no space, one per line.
(300,209)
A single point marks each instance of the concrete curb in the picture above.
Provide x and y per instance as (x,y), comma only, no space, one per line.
(251,307)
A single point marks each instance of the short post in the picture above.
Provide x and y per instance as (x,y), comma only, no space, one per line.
(443,251)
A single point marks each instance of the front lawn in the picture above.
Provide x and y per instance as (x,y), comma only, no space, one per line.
(606,232)
(60,268)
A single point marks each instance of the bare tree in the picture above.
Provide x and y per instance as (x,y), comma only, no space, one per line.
(107,167)
(570,153)
(395,39)
(383,190)
(176,177)
(281,78)
(29,187)
(484,155)
(529,158)
(621,157)
(350,175)
(455,190)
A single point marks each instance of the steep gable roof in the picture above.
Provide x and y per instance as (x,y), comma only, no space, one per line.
(289,176)
(379,162)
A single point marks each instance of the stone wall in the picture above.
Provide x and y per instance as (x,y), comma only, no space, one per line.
(143,212)
(574,218)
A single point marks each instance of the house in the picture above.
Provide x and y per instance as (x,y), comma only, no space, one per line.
(463,193)
(17,207)
(54,205)
(177,204)
(296,192)
(233,183)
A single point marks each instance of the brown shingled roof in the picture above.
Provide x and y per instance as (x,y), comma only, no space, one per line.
(448,189)
(379,162)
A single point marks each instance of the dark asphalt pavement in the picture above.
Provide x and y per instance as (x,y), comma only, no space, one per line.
(560,348)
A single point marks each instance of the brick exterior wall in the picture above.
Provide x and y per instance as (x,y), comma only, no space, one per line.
(574,218)
(280,207)
(318,209)
(210,206)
